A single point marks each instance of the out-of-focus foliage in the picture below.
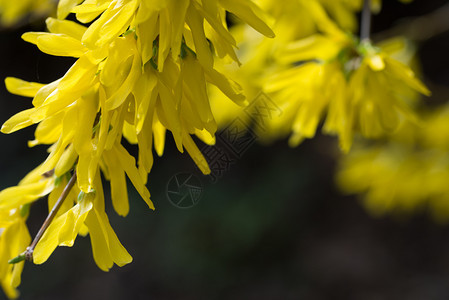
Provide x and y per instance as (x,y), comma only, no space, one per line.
(12,11)
(320,73)
(408,172)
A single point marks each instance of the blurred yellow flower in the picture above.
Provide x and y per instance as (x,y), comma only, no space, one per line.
(262,57)
(355,88)
(315,71)
(403,174)
(12,11)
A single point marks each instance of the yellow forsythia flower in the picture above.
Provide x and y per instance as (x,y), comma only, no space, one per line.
(142,69)
(292,21)
(82,214)
(355,87)
(320,73)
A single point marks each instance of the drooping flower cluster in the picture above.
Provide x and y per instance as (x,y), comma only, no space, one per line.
(147,67)
(356,90)
(325,75)
(142,69)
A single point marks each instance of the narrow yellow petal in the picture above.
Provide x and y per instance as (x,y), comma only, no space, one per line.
(128,163)
(196,154)
(66,27)
(106,247)
(18,121)
(65,6)
(246,10)
(21,87)
(119,191)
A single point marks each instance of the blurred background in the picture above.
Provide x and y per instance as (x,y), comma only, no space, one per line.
(274,226)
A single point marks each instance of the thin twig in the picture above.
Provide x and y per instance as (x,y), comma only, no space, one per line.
(365,27)
(421,28)
(29,251)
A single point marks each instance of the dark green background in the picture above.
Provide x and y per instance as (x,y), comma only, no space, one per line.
(274,227)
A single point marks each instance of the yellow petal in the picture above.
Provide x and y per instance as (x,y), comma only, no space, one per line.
(196,24)
(62,231)
(66,27)
(56,44)
(248,12)
(106,247)
(67,161)
(128,163)
(21,87)
(111,23)
(196,154)
(18,121)
(65,6)
(119,191)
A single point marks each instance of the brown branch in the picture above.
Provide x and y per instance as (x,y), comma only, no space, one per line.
(29,251)
(365,26)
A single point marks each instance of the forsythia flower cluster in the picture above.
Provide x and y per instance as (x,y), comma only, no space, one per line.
(142,68)
(320,73)
(145,68)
